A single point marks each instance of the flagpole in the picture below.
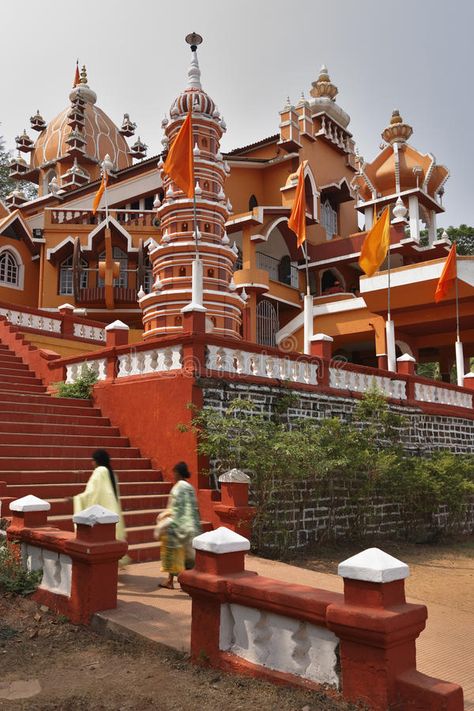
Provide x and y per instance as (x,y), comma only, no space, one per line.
(458,347)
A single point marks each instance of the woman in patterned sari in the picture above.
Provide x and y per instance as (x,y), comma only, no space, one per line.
(177,526)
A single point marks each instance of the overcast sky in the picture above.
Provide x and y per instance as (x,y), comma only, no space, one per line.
(413,55)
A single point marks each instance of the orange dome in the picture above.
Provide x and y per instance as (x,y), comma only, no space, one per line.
(101,134)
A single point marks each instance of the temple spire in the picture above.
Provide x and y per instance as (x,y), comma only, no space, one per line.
(194,72)
(77,76)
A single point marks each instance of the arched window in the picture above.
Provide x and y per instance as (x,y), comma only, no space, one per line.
(253,202)
(66,287)
(9,269)
(118,255)
(329,219)
(46,181)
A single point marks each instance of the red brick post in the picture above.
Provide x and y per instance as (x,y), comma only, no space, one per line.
(233,509)
(219,553)
(321,347)
(406,365)
(95,553)
(29,512)
(469,381)
(377,629)
(116,334)
(67,311)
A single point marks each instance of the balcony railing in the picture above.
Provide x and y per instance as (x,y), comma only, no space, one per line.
(133,218)
(279,269)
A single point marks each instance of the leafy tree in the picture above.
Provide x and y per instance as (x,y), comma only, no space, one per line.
(6,183)
(462,235)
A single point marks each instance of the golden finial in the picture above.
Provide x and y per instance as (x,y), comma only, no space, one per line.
(83,74)
(323,87)
(397,131)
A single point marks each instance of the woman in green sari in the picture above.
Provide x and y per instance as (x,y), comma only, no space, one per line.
(177,526)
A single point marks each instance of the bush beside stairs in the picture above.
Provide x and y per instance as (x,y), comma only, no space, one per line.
(45,449)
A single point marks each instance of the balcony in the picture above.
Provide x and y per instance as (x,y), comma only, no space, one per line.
(127,218)
(280,270)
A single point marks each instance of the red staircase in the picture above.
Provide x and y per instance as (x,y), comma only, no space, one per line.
(45,449)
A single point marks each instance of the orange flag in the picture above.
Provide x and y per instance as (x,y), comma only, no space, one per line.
(99,193)
(297,219)
(376,244)
(448,275)
(179,164)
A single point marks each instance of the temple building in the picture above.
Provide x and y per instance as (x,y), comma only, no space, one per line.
(133,259)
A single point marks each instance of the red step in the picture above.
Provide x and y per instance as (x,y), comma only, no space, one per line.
(45,449)
(143,552)
(54,439)
(42,452)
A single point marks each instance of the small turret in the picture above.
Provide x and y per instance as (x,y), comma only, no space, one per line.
(323,85)
(128,127)
(139,149)
(37,122)
(16,198)
(18,167)
(24,143)
(74,177)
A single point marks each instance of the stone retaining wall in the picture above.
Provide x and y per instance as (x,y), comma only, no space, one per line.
(301,514)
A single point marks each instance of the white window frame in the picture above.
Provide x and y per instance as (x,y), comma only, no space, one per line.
(11,251)
(329,219)
(66,270)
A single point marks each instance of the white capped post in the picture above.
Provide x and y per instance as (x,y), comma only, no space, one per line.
(196,288)
(308,322)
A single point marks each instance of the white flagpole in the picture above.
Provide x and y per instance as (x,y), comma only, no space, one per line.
(458,345)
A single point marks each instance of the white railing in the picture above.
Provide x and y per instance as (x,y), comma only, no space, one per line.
(346,379)
(263,365)
(56,567)
(76,370)
(158,360)
(444,396)
(27,320)
(280,643)
(93,333)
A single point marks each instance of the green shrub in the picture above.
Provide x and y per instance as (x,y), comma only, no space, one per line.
(14,578)
(360,461)
(82,387)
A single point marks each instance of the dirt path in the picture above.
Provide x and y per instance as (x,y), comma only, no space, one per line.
(67,668)
(441,574)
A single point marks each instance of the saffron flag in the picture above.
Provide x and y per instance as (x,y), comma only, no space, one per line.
(297,219)
(99,193)
(448,275)
(376,244)
(179,164)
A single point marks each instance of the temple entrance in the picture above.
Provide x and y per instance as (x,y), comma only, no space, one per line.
(267,323)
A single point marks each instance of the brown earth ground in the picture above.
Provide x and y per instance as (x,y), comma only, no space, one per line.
(79,671)
(441,574)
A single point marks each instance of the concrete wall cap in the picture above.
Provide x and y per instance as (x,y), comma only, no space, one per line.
(235,476)
(469,375)
(66,307)
(30,503)
(406,358)
(95,514)
(117,326)
(221,540)
(373,566)
(322,337)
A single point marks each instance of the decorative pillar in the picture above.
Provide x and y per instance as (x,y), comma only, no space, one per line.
(414,216)
(391,350)
(369,217)
(406,365)
(307,322)
(432,231)
(218,553)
